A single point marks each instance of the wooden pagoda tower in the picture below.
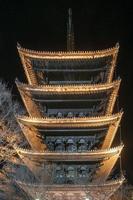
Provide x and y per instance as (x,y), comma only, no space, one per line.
(70,125)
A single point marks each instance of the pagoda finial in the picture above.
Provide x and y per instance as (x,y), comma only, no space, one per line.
(70,32)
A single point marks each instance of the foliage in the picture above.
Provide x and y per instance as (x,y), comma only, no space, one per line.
(9,128)
(10,134)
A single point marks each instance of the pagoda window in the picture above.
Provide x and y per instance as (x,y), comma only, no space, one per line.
(59,115)
(51,145)
(82,172)
(81,114)
(70,175)
(71,146)
(82,145)
(59,175)
(59,145)
(70,115)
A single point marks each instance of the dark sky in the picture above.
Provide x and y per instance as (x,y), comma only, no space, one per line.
(97,25)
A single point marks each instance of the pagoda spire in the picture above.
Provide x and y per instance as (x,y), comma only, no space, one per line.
(70,32)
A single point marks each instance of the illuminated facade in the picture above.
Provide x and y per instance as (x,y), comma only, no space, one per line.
(70,126)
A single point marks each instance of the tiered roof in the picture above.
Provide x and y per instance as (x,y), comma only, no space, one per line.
(27,56)
(36,62)
(69,122)
(106,156)
(32,124)
(73,191)
(44,93)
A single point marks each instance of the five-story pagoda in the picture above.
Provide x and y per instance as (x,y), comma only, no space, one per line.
(70,125)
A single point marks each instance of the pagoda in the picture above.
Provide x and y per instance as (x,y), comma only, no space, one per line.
(70,124)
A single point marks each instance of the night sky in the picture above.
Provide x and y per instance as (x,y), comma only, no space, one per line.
(97,25)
